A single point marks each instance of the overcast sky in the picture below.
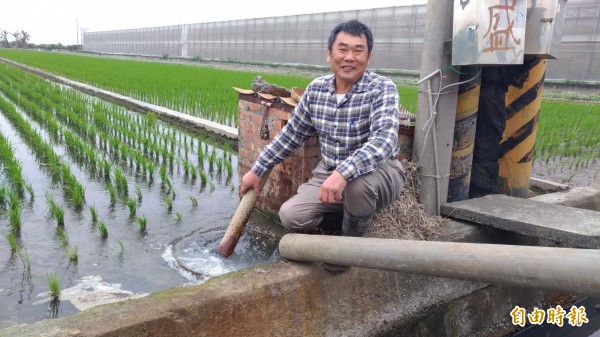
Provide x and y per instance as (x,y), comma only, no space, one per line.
(53,21)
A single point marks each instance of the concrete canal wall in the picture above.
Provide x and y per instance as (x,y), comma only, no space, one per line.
(301,299)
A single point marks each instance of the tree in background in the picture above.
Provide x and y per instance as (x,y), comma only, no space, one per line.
(21,38)
(4,38)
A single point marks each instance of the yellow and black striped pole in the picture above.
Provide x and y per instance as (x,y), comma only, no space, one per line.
(523,101)
(464,134)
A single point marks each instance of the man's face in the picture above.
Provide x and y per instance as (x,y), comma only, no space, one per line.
(348,58)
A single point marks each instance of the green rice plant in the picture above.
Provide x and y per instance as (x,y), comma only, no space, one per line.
(142,222)
(59,215)
(72,253)
(122,247)
(53,285)
(14,212)
(132,205)
(63,236)
(14,218)
(150,169)
(120,182)
(163,173)
(56,211)
(112,193)
(24,256)
(94,214)
(168,202)
(12,167)
(3,193)
(212,158)
(203,178)
(193,200)
(102,229)
(15,171)
(12,241)
(138,193)
(29,189)
(77,195)
(177,216)
(200,153)
(228,168)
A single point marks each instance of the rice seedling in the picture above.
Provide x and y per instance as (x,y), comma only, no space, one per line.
(200,153)
(120,182)
(29,189)
(94,214)
(138,193)
(14,212)
(219,162)
(102,229)
(72,253)
(56,211)
(24,256)
(112,193)
(77,195)
(163,173)
(12,241)
(12,167)
(193,200)
(53,285)
(122,247)
(3,193)
(212,158)
(62,235)
(168,202)
(229,168)
(177,216)
(14,218)
(132,205)
(142,222)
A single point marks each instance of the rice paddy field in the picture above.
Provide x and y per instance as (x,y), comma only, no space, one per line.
(94,196)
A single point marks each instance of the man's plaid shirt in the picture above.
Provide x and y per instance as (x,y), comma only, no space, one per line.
(357,135)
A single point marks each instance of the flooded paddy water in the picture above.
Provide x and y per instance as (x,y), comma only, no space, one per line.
(184,185)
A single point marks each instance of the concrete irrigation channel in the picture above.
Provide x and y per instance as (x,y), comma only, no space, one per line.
(292,298)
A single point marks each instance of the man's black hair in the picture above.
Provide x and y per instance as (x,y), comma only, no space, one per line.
(354,28)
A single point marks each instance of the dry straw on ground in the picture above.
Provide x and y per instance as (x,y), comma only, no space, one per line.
(406,218)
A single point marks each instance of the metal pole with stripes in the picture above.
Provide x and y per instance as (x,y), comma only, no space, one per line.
(523,101)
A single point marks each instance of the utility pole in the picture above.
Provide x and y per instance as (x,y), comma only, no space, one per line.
(436,111)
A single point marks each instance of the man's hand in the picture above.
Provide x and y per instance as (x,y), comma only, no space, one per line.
(332,188)
(250,180)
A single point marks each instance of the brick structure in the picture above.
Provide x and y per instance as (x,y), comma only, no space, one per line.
(286,177)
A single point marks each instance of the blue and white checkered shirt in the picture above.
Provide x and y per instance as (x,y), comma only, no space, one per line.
(357,135)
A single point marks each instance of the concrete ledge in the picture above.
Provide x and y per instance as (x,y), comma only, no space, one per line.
(580,197)
(134,104)
(573,227)
(546,185)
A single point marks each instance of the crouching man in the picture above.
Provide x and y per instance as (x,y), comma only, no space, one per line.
(356,117)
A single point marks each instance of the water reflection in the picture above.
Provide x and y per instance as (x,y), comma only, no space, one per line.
(53,308)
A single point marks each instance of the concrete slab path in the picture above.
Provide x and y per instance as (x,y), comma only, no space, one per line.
(570,226)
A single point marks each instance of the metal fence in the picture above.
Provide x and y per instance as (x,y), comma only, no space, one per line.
(301,39)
